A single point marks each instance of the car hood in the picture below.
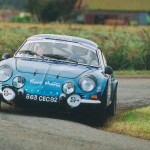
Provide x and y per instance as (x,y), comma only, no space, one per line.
(59,69)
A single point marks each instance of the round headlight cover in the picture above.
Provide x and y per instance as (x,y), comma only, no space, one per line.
(87,84)
(5,73)
(18,82)
(68,88)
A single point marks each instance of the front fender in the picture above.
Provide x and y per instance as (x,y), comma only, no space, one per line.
(114,88)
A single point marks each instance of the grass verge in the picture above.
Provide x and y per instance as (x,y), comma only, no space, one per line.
(132,74)
(133,122)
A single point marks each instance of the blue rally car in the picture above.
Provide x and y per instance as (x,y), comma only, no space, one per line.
(62,70)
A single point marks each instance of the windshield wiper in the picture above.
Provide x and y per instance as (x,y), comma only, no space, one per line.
(30,53)
(59,57)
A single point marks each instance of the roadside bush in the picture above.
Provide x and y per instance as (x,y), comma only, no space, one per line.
(23,18)
(127,50)
(124,48)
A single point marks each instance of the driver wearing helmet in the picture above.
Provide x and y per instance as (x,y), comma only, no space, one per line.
(39,49)
(78,54)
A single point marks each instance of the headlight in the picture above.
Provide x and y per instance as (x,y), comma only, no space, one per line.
(68,88)
(5,73)
(18,82)
(87,84)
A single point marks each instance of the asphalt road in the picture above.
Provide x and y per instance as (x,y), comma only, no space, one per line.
(133,93)
(21,130)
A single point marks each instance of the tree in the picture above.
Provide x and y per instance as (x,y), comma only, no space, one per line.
(50,10)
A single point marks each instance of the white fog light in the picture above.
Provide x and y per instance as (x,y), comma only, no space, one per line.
(68,88)
(18,82)
(74,100)
(8,94)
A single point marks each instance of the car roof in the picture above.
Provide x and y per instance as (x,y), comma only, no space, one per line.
(65,38)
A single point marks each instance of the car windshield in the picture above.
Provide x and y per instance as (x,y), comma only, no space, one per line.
(58,50)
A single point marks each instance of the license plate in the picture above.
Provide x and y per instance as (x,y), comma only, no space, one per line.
(41,98)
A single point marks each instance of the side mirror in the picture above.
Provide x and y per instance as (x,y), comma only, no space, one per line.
(5,56)
(108,70)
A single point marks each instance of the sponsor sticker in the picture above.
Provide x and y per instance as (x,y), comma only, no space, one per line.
(36,82)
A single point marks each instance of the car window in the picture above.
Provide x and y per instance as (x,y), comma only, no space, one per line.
(53,48)
(101,59)
(104,60)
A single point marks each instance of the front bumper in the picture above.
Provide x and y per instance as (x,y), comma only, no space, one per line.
(90,101)
(18,96)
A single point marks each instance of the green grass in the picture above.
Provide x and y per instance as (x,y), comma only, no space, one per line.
(134,122)
(133,72)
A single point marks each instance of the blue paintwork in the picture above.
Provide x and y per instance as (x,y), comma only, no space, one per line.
(72,72)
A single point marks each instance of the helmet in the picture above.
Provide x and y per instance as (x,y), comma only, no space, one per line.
(79,50)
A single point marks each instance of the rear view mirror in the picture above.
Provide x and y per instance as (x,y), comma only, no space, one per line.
(5,56)
(108,70)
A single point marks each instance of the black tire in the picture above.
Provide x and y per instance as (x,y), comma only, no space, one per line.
(100,112)
(113,106)
(99,116)
(103,116)
(0,105)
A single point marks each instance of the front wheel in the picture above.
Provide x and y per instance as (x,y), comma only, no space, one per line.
(97,115)
(113,106)
(0,104)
